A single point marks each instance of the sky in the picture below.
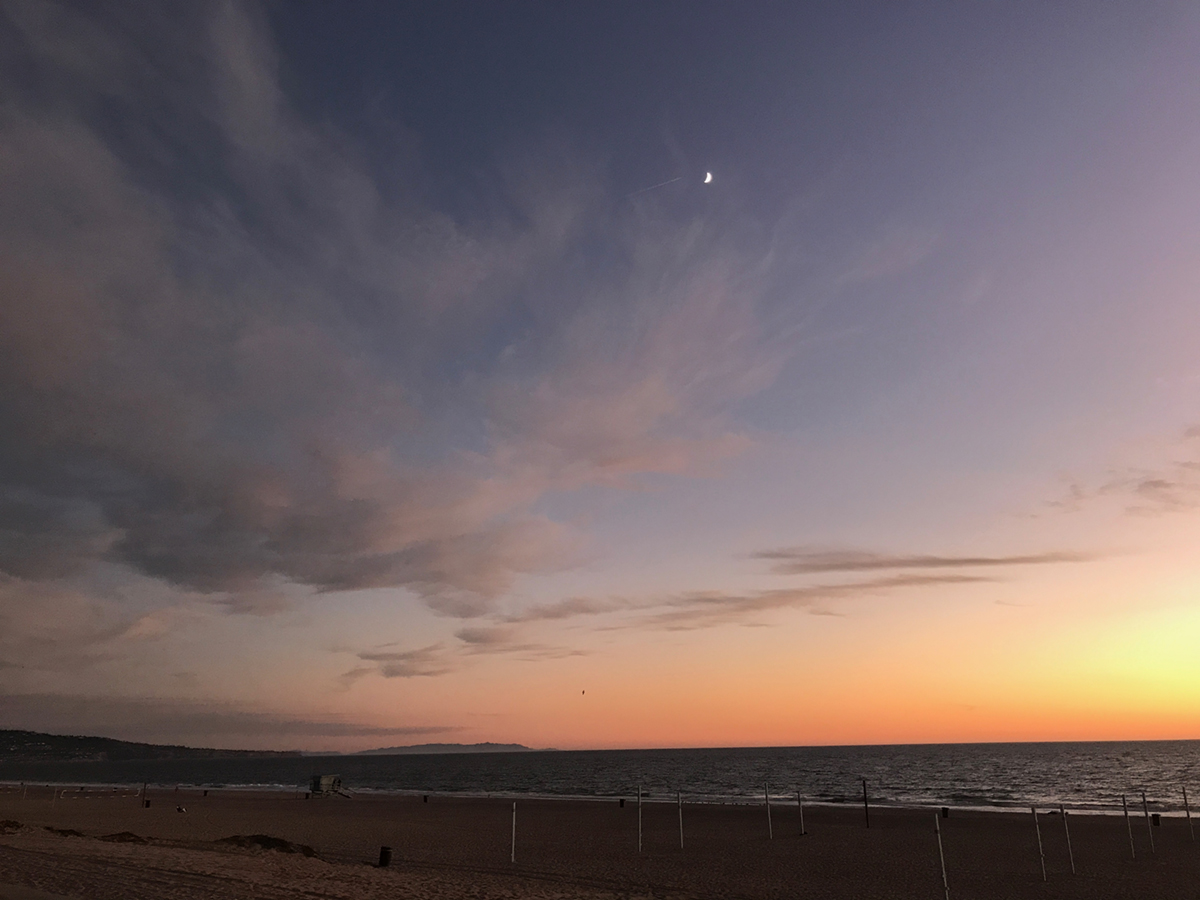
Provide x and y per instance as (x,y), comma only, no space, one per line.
(388,373)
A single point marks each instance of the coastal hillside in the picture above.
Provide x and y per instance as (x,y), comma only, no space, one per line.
(33,746)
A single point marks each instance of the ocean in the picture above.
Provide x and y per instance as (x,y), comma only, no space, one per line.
(1091,775)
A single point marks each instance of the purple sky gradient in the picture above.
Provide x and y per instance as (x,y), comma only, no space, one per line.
(352,385)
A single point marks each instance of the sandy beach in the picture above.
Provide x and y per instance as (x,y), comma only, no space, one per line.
(96,844)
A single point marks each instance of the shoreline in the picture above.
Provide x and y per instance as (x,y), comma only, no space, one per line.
(782,801)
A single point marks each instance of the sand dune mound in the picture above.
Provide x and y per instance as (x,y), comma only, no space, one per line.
(266,842)
(124,837)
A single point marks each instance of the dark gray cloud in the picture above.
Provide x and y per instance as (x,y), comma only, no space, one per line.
(805,561)
(234,353)
(43,537)
(166,721)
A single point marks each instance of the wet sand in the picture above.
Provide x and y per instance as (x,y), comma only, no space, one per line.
(454,847)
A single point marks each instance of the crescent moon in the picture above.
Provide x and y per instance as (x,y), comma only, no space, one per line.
(708,177)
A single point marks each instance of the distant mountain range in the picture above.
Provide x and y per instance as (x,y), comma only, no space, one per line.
(486,747)
(36,747)
(32,746)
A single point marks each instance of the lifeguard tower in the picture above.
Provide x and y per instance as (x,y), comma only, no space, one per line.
(326,785)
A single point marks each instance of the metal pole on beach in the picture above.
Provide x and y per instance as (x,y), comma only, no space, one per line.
(1129,826)
(1038,829)
(1187,811)
(679,800)
(937,826)
(767,797)
(800,803)
(866,806)
(1149,830)
(639,818)
(514,833)
(1066,828)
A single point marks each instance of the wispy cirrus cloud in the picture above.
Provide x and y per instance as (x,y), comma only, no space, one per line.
(708,609)
(806,561)
(421,662)
(691,610)
(1168,486)
(445,657)
(569,608)
(688,610)
(704,609)
(699,609)
(1140,491)
(510,642)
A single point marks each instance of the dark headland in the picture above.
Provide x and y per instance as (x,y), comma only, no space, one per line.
(485,747)
(33,746)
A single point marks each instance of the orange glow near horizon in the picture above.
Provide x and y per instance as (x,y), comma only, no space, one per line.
(974,671)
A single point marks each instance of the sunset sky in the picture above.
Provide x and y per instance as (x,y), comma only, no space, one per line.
(384,373)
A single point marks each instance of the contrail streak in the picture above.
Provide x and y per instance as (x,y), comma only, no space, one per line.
(653,186)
